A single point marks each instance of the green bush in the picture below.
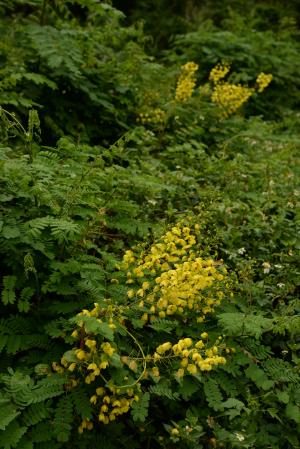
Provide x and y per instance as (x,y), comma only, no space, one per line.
(77,52)
(80,220)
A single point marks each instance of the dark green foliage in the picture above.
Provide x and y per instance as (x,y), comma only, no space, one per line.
(77,57)
(74,196)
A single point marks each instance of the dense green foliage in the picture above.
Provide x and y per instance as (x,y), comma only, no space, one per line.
(97,157)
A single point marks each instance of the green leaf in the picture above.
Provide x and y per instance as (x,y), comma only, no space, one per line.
(12,435)
(10,232)
(63,419)
(233,403)
(139,410)
(213,394)
(81,402)
(242,324)
(8,292)
(188,387)
(7,414)
(292,411)
(23,306)
(259,377)
(283,396)
(92,325)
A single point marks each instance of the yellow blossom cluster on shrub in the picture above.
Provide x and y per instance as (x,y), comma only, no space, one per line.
(156,109)
(219,72)
(85,424)
(193,356)
(153,116)
(94,357)
(169,282)
(230,97)
(183,284)
(89,361)
(113,402)
(263,80)
(186,82)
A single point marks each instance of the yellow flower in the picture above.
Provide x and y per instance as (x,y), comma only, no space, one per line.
(133,365)
(144,317)
(263,80)
(230,97)
(219,72)
(92,366)
(155,371)
(74,334)
(196,357)
(130,294)
(91,344)
(180,372)
(64,362)
(89,425)
(101,417)
(192,369)
(80,354)
(107,348)
(164,348)
(200,344)
(185,88)
(100,391)
(184,362)
(185,353)
(103,364)
(156,356)
(187,342)
(93,399)
(72,366)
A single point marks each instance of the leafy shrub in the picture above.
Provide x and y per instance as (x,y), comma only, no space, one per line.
(84,56)
(72,211)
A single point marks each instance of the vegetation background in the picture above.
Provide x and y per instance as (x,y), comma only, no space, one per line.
(100,156)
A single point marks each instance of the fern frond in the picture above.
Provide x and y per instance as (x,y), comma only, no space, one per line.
(63,419)
(12,435)
(35,413)
(8,291)
(281,371)
(213,394)
(81,401)
(163,390)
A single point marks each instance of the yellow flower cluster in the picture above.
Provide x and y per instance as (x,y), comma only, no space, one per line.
(219,72)
(186,82)
(230,96)
(154,116)
(94,358)
(194,356)
(168,280)
(85,424)
(183,284)
(113,402)
(263,80)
